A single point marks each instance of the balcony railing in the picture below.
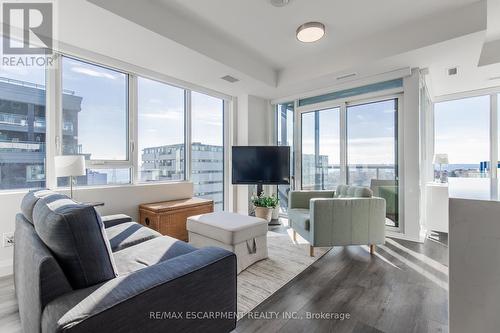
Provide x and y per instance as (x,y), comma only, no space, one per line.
(21,146)
(13,119)
(30,84)
(322,178)
(22,120)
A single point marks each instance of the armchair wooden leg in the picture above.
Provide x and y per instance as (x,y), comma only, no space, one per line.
(311,250)
(372,249)
(294,236)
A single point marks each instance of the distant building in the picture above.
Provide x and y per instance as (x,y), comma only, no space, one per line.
(22,134)
(167,163)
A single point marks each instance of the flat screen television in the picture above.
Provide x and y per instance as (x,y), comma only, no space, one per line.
(261,165)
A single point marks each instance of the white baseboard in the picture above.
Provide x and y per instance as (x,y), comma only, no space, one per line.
(398,235)
(6,268)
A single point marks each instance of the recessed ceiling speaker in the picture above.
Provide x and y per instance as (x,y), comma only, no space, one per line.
(279,3)
(452,71)
(230,79)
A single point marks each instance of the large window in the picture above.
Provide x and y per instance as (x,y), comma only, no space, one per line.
(22,127)
(372,158)
(462,130)
(321,149)
(284,120)
(207,147)
(161,131)
(95,121)
(128,128)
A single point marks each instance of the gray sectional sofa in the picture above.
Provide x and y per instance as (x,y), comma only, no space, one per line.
(75,271)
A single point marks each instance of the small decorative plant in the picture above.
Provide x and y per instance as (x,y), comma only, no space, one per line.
(264,205)
(265,201)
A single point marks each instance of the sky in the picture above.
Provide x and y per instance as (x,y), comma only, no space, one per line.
(370,133)
(462,130)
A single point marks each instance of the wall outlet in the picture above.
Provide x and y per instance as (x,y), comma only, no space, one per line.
(8,239)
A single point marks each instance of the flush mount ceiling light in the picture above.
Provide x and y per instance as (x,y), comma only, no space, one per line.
(310,32)
(279,3)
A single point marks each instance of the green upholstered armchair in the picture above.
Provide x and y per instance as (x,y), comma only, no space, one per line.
(351,215)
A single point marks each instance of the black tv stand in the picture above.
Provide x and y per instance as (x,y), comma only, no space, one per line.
(260,189)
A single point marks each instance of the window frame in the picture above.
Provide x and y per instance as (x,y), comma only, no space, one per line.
(96,164)
(17,106)
(343,103)
(494,95)
(226,142)
(135,147)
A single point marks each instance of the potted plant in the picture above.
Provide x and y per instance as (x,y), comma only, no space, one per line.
(264,205)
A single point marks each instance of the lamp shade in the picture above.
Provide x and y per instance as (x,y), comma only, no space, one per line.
(441,159)
(70,165)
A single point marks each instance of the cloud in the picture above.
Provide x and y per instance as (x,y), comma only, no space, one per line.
(91,72)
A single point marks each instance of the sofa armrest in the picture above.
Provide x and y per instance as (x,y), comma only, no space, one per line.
(112,220)
(300,199)
(191,292)
(345,221)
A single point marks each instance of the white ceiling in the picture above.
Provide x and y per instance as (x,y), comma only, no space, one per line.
(255,41)
(270,31)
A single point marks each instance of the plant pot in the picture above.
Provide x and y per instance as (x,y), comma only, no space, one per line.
(264,213)
(276,213)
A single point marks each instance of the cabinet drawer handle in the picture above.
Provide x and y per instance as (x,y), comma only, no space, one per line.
(147,220)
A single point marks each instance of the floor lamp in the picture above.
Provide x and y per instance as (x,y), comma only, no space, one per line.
(70,166)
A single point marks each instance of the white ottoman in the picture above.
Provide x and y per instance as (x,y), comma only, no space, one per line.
(243,235)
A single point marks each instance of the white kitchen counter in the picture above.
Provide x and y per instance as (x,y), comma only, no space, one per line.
(474,249)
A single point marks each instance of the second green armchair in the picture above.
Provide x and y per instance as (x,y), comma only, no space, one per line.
(348,216)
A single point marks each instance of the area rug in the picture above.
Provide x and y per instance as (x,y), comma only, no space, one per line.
(287,259)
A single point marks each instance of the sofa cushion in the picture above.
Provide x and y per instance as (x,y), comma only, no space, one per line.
(75,234)
(149,253)
(112,220)
(228,228)
(300,217)
(348,191)
(29,201)
(127,234)
(362,192)
(341,191)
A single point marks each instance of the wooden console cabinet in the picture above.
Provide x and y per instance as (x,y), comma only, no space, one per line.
(169,217)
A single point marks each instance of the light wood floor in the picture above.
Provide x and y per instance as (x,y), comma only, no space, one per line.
(403,288)
(9,315)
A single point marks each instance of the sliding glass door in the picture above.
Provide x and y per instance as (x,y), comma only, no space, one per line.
(321,149)
(355,144)
(372,158)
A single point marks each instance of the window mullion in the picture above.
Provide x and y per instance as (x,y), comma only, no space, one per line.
(187,135)
(343,143)
(53,115)
(133,129)
(494,136)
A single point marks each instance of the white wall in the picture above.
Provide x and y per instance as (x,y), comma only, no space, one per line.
(260,121)
(117,199)
(410,169)
(254,126)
